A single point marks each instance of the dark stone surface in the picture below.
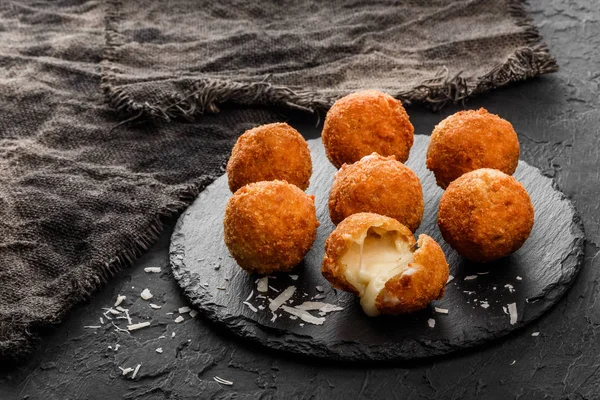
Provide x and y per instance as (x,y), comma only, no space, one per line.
(545,266)
(557,118)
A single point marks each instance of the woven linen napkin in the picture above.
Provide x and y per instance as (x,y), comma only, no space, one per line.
(183,57)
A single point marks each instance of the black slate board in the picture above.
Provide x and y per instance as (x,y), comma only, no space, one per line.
(547,264)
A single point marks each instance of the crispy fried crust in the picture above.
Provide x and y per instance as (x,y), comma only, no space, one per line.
(269,226)
(423,282)
(349,230)
(380,185)
(485,215)
(366,122)
(270,152)
(469,140)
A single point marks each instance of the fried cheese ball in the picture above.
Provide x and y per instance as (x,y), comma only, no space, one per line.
(365,122)
(269,152)
(485,215)
(380,185)
(269,226)
(374,257)
(469,140)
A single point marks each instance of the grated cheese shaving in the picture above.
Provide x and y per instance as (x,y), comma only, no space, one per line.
(509,287)
(483,273)
(505,310)
(128,316)
(294,277)
(117,346)
(137,368)
(450,279)
(154,270)
(319,297)
(513,363)
(535,334)
(273,289)
(250,295)
(304,315)
(317,305)
(441,310)
(137,326)
(183,310)
(146,295)
(470,277)
(485,304)
(101,321)
(119,329)
(125,371)
(431,322)
(193,313)
(512,311)
(159,350)
(92,326)
(250,306)
(119,309)
(274,317)
(119,300)
(222,381)
(172,335)
(282,298)
(156,307)
(519,278)
(320,288)
(178,319)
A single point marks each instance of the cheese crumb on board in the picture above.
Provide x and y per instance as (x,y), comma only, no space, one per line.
(512,311)
(146,295)
(263,284)
(119,300)
(152,270)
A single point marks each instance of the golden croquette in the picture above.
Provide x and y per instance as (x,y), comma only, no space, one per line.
(380,185)
(485,215)
(374,257)
(469,140)
(270,152)
(269,226)
(365,122)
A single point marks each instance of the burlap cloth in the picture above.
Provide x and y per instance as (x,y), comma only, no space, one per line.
(81,197)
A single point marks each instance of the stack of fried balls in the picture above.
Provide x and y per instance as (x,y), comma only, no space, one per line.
(376,201)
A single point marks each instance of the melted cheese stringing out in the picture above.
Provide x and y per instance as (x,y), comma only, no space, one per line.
(372,260)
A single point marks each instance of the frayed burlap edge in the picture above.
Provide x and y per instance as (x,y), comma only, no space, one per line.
(19,337)
(206,94)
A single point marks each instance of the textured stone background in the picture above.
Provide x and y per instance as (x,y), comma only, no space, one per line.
(558,120)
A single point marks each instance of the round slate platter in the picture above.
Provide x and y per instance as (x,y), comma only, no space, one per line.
(534,278)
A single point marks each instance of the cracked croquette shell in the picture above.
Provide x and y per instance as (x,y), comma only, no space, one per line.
(380,185)
(269,226)
(270,152)
(374,257)
(469,140)
(365,122)
(485,215)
